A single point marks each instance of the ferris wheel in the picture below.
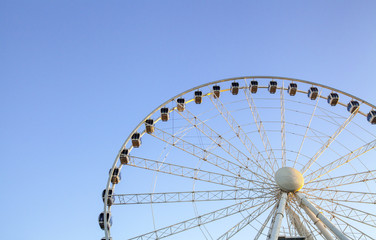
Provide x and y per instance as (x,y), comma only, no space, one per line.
(253,157)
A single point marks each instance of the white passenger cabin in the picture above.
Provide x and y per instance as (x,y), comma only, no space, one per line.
(116,176)
(149,126)
(216,91)
(272,88)
(181,104)
(352,106)
(110,198)
(253,86)
(165,115)
(234,88)
(136,140)
(371,117)
(198,97)
(333,99)
(293,87)
(124,156)
(313,92)
(101,220)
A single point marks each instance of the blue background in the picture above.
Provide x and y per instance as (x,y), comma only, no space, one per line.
(77,77)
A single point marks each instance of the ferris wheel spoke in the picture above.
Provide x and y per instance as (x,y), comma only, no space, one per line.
(214,136)
(352,213)
(347,228)
(257,157)
(203,219)
(330,116)
(261,230)
(192,173)
(343,196)
(328,142)
(201,153)
(221,142)
(192,196)
(334,121)
(260,126)
(344,227)
(342,180)
(246,221)
(209,156)
(340,161)
(283,125)
(306,131)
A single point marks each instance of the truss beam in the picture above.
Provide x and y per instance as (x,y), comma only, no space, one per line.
(283,125)
(342,180)
(328,142)
(260,126)
(306,131)
(202,154)
(351,213)
(340,161)
(257,157)
(221,142)
(246,221)
(343,196)
(203,219)
(193,196)
(193,173)
(348,229)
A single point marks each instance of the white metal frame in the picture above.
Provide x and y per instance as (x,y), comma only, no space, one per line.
(243,184)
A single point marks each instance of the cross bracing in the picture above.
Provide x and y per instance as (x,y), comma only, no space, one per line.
(218,152)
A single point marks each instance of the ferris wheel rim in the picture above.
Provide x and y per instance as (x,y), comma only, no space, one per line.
(234,79)
(108,185)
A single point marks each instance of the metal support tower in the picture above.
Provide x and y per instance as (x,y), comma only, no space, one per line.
(304,201)
(278,217)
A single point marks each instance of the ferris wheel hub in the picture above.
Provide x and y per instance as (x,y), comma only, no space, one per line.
(289,179)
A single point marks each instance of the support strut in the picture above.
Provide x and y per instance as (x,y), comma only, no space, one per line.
(317,214)
(324,231)
(278,217)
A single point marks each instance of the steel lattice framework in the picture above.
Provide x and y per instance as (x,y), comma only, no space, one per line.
(206,168)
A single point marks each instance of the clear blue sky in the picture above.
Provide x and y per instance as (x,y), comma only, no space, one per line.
(77,77)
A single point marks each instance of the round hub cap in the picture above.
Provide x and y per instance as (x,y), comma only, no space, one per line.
(289,179)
